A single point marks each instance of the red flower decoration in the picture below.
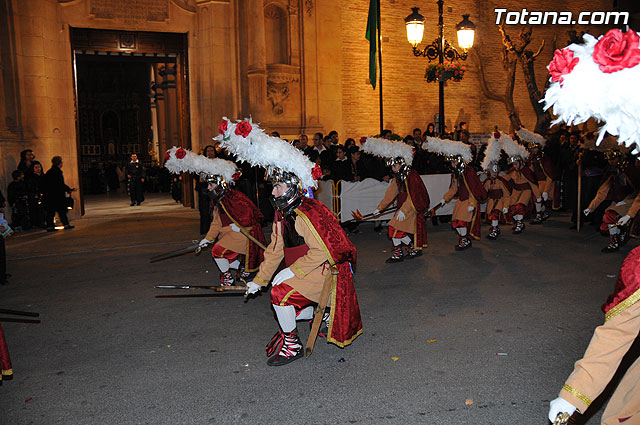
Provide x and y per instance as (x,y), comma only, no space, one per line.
(243,128)
(223,127)
(167,156)
(563,63)
(363,139)
(316,172)
(236,176)
(496,134)
(616,51)
(181,153)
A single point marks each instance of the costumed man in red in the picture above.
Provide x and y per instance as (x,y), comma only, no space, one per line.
(407,227)
(545,171)
(524,184)
(5,360)
(497,187)
(465,186)
(316,251)
(233,215)
(620,188)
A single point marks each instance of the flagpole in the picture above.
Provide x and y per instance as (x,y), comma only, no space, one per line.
(380,67)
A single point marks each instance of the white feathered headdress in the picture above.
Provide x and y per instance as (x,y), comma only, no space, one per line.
(512,148)
(178,160)
(530,137)
(448,148)
(388,149)
(492,153)
(599,79)
(249,143)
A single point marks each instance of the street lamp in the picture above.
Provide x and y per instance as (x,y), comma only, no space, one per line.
(439,48)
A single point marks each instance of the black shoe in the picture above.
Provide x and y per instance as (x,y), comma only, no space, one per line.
(51,229)
(391,260)
(378,229)
(283,360)
(573,227)
(133,204)
(69,227)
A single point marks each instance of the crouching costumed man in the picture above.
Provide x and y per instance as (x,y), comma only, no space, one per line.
(497,187)
(233,213)
(316,251)
(465,186)
(407,227)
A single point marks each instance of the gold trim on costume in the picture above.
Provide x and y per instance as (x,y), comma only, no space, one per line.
(286,297)
(623,305)
(259,280)
(298,270)
(583,398)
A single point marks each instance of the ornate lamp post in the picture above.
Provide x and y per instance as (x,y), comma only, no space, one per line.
(439,48)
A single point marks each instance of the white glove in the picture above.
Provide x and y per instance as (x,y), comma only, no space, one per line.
(204,242)
(470,208)
(587,211)
(400,216)
(252,288)
(376,212)
(545,196)
(621,203)
(234,227)
(538,200)
(441,203)
(624,220)
(505,210)
(283,275)
(560,405)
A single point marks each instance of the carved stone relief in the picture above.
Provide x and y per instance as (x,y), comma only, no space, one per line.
(277,94)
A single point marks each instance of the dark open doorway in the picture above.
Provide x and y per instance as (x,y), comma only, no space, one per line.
(132,97)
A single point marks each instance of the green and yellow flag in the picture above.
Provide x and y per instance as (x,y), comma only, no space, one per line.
(373,34)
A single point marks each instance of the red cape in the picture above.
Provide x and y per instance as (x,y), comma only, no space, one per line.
(627,290)
(477,191)
(419,197)
(5,360)
(345,324)
(244,213)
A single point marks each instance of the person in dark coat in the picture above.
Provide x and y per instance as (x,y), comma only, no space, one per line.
(3,254)
(36,187)
(204,201)
(135,174)
(55,194)
(341,168)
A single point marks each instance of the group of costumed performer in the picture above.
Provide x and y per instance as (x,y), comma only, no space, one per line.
(465,186)
(593,80)
(232,212)
(407,228)
(545,171)
(497,187)
(317,253)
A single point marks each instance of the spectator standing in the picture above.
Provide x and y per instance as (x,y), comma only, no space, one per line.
(26,160)
(431,130)
(18,196)
(341,168)
(135,174)
(36,187)
(204,201)
(55,194)
(3,254)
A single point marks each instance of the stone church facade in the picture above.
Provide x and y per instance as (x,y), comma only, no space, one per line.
(295,66)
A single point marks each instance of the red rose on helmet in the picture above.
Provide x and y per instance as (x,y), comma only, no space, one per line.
(243,128)
(167,156)
(223,127)
(496,134)
(236,176)
(181,153)
(617,50)
(316,172)
(563,63)
(363,139)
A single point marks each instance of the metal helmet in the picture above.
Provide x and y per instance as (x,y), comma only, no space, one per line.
(460,164)
(404,168)
(222,185)
(292,198)
(493,167)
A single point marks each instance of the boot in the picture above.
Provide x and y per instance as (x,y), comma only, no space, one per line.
(226,279)
(289,348)
(494,233)
(397,255)
(463,243)
(241,274)
(545,215)
(324,325)
(518,228)
(537,219)
(614,244)
(412,252)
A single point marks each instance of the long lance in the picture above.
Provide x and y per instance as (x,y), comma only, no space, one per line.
(241,288)
(433,210)
(19,313)
(357,215)
(251,238)
(191,248)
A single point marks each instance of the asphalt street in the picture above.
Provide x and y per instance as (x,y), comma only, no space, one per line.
(484,336)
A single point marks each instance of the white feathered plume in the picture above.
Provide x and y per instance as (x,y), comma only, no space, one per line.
(388,149)
(448,147)
(249,143)
(512,148)
(585,91)
(193,163)
(492,153)
(530,137)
